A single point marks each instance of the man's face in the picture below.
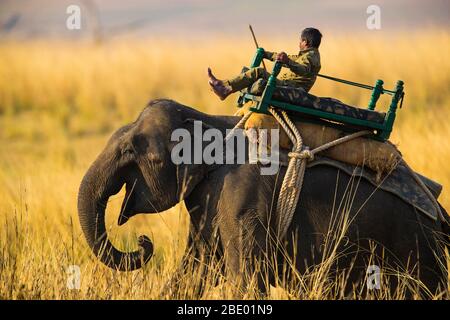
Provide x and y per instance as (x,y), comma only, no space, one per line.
(303,45)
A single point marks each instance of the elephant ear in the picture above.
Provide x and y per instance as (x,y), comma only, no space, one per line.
(190,147)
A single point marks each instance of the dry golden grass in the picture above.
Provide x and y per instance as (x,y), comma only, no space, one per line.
(60,101)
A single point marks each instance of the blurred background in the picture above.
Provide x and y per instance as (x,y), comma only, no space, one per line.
(64,92)
(194,18)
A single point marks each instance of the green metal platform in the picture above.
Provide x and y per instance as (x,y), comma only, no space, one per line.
(381,131)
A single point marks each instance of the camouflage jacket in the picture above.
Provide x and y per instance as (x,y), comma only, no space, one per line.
(303,68)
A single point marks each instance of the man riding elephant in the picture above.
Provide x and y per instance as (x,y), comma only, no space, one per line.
(336,226)
(303,68)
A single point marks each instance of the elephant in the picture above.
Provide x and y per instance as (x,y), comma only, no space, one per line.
(232,206)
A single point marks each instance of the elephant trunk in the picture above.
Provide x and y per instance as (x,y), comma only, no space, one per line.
(95,190)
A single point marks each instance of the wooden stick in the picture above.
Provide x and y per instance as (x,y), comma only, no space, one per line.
(256,43)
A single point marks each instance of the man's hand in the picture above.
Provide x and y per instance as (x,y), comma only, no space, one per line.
(282,57)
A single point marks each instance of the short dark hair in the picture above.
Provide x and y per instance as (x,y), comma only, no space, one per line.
(312,36)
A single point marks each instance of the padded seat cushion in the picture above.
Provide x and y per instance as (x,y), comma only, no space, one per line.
(298,96)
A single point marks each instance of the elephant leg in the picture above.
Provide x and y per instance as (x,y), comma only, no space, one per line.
(193,273)
(248,263)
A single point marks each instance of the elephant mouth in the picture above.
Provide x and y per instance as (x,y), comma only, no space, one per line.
(126,210)
(137,194)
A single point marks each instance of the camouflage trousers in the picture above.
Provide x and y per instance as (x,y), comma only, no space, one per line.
(248,77)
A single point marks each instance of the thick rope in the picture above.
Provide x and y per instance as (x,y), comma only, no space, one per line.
(239,125)
(293,179)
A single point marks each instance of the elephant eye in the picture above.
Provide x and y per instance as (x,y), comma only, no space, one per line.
(154,158)
(127,151)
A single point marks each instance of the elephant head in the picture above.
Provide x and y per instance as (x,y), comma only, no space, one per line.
(139,156)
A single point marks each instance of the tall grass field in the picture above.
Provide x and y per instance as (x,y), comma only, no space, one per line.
(60,101)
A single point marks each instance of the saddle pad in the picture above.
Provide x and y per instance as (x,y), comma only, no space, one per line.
(399,182)
(298,96)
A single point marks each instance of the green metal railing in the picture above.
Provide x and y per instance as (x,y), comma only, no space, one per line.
(381,131)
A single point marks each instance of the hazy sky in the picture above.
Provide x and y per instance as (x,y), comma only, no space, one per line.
(37,18)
